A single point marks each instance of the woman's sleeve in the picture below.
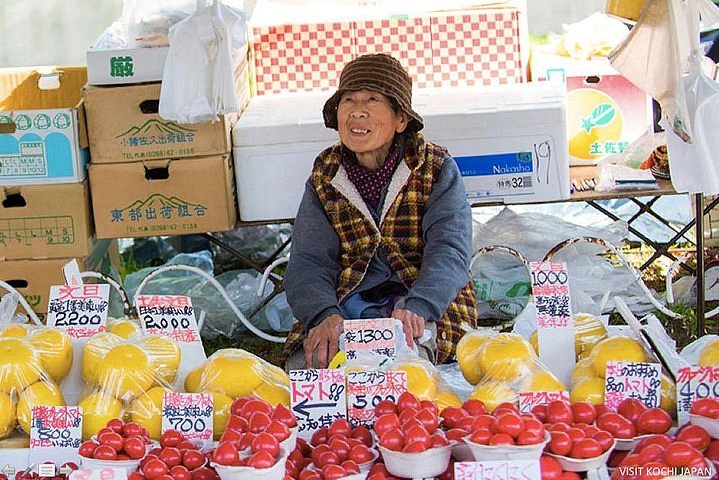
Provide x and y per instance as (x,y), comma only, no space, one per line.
(311,276)
(447,230)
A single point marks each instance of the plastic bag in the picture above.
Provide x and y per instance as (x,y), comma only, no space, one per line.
(588,331)
(175,282)
(595,36)
(424,379)
(124,327)
(198,79)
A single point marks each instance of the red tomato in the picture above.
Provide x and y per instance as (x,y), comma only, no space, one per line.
(132,429)
(616,457)
(135,448)
(351,467)
(360,454)
(653,420)
(246,441)
(154,469)
(533,425)
(333,472)
(474,407)
(265,441)
(87,448)
(605,439)
(584,412)
(384,424)
(284,415)
(261,459)
(626,429)
(254,405)
(384,407)
(483,421)
(652,453)
(430,405)
(586,448)
(529,438)
(429,420)
(610,421)
(237,423)
(407,414)
(681,454)
(451,416)
(113,440)
(171,456)
(438,440)
(259,421)
(467,423)
(340,447)
(406,400)
(392,440)
(706,407)
(171,438)
(661,439)
(559,411)
(135,476)
(204,473)
(147,458)
(456,434)
(550,468)
(414,447)
(340,427)
(712,452)
(540,411)
(193,459)
(327,458)
(631,408)
(122,457)
(319,450)
(105,452)
(559,427)
(225,454)
(363,434)
(576,434)
(115,425)
(560,443)
(417,434)
(278,430)
(694,435)
(310,475)
(590,430)
(511,424)
(501,439)
(481,436)
(180,472)
(509,406)
(320,436)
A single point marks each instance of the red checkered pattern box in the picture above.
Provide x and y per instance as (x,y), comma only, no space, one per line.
(477,48)
(307,57)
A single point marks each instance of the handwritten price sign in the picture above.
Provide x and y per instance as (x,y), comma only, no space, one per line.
(318,398)
(694,383)
(370,335)
(366,389)
(190,413)
(529,400)
(498,470)
(171,315)
(639,380)
(80,310)
(55,433)
(99,474)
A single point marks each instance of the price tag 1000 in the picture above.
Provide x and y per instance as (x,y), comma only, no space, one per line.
(639,380)
(318,398)
(80,310)
(170,315)
(190,413)
(694,383)
(370,335)
(498,470)
(55,433)
(366,389)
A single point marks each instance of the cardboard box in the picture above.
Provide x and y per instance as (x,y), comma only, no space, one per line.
(43,138)
(605,111)
(163,197)
(45,221)
(509,142)
(124,126)
(439,49)
(121,66)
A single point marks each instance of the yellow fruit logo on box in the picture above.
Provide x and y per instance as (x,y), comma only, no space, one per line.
(595,124)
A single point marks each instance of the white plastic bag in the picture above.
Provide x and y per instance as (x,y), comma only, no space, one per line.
(198,80)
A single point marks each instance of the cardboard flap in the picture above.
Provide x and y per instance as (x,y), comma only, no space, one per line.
(22,88)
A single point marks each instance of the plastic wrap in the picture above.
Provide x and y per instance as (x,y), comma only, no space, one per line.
(588,331)
(123,327)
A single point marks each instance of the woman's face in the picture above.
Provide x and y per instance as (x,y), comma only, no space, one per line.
(367,124)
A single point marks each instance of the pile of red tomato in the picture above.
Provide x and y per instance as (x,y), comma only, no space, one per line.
(412,426)
(117,441)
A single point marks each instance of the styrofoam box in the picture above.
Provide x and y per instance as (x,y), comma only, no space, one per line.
(509,142)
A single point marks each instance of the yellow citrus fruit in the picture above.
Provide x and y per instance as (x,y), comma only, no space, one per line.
(7,415)
(55,348)
(420,380)
(447,398)
(668,401)
(588,331)
(123,327)
(125,371)
(147,410)
(590,390)
(38,394)
(19,365)
(97,409)
(467,351)
(593,118)
(232,371)
(534,341)
(709,356)
(164,355)
(273,394)
(542,381)
(583,370)
(15,330)
(619,348)
(508,356)
(95,350)
(276,375)
(493,393)
(193,379)
(221,414)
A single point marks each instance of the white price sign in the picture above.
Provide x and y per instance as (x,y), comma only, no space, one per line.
(55,434)
(498,470)
(370,335)
(366,389)
(318,398)
(80,310)
(189,413)
(639,380)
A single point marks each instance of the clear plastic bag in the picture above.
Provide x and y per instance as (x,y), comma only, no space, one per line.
(423,379)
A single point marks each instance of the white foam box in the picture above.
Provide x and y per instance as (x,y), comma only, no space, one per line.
(510,144)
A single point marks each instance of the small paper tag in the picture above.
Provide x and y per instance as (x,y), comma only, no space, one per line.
(318,398)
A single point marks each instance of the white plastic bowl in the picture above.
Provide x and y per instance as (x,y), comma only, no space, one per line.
(92,463)
(275,472)
(429,463)
(365,467)
(507,452)
(582,465)
(711,425)
(290,442)
(626,444)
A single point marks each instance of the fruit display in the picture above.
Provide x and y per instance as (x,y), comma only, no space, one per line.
(250,416)
(423,380)
(117,441)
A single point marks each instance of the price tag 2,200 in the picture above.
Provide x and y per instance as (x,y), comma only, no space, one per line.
(80,310)
(694,383)
(55,434)
(498,470)
(366,389)
(189,413)
(318,398)
(639,380)
(370,335)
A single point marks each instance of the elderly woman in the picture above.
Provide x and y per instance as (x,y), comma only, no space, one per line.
(383,229)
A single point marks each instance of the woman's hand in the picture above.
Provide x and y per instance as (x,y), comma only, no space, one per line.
(413,325)
(324,340)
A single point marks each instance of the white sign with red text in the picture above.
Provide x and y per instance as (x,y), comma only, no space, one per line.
(367,388)
(529,400)
(55,434)
(318,398)
(498,470)
(370,335)
(189,413)
(99,474)
(79,310)
(694,383)
(639,380)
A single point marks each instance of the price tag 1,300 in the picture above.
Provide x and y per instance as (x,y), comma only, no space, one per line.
(639,380)
(370,335)
(498,470)
(694,383)
(317,398)
(366,389)
(190,413)
(55,434)
(80,310)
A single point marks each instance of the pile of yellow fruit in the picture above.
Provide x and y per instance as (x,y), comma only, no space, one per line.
(709,355)
(231,373)
(33,360)
(127,376)
(424,380)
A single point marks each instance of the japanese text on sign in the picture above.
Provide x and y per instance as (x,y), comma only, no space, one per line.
(56,427)
(81,310)
(639,380)
(550,286)
(498,470)
(529,400)
(190,413)
(169,315)
(366,389)
(694,383)
(99,474)
(375,335)
(318,398)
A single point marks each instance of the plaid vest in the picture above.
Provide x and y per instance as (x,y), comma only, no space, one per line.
(399,235)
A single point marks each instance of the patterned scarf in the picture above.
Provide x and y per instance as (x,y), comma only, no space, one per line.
(369,183)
